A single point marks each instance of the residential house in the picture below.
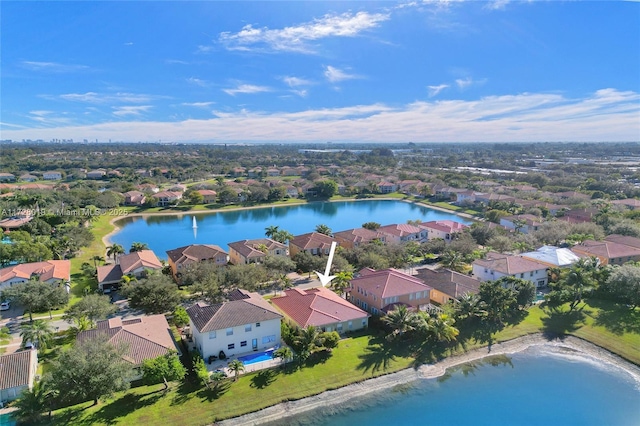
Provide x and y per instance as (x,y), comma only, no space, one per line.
(49,271)
(525,223)
(96,174)
(180,258)
(17,374)
(314,243)
(238,171)
(7,177)
(379,292)
(134,264)
(567,195)
(352,238)
(624,239)
(630,203)
(255,251)
(387,187)
(15,222)
(243,324)
(272,172)
(134,198)
(525,188)
(322,308)
(52,176)
(143,338)
(403,232)
(580,215)
(553,257)
(447,285)
(492,197)
(209,196)
(28,178)
(497,265)
(292,191)
(443,229)
(609,252)
(465,198)
(166,198)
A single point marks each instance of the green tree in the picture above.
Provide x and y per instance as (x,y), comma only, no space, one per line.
(330,340)
(200,369)
(282,236)
(37,296)
(453,260)
(39,332)
(97,259)
(341,282)
(154,295)
(306,341)
(93,307)
(283,353)
(90,371)
(401,321)
(196,198)
(235,366)
(440,328)
(136,246)
(32,404)
(271,231)
(165,368)
(180,317)
(114,251)
(624,284)
(323,229)
(372,226)
(326,188)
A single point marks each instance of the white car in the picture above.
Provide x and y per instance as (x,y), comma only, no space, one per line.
(4,306)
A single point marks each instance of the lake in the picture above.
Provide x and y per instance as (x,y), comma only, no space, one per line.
(162,233)
(533,387)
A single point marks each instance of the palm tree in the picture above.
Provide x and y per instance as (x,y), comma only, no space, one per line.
(97,259)
(341,282)
(284,353)
(323,229)
(307,340)
(401,320)
(114,251)
(138,247)
(236,366)
(39,332)
(453,260)
(271,231)
(441,328)
(579,279)
(282,236)
(32,403)
(263,248)
(470,307)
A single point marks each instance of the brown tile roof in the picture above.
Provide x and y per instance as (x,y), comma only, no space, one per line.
(317,307)
(451,283)
(232,313)
(139,259)
(606,249)
(15,369)
(312,240)
(195,253)
(146,337)
(359,235)
(171,195)
(15,222)
(450,226)
(399,230)
(109,273)
(509,265)
(249,248)
(388,283)
(624,239)
(47,270)
(629,202)
(529,219)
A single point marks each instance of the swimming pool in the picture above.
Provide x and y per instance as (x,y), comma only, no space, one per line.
(7,420)
(257,357)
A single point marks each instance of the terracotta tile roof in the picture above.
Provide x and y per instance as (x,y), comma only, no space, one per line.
(171,195)
(139,259)
(317,307)
(232,313)
(312,240)
(606,249)
(15,369)
(15,222)
(204,192)
(629,202)
(450,226)
(195,253)
(47,270)
(399,230)
(359,235)
(249,248)
(623,239)
(146,337)
(388,283)
(453,284)
(508,265)
(109,273)
(529,219)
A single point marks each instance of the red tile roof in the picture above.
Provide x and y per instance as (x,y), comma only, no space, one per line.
(450,226)
(317,307)
(358,235)
(140,259)
(606,249)
(508,265)
(312,240)
(249,248)
(195,253)
(388,283)
(47,270)
(15,369)
(399,230)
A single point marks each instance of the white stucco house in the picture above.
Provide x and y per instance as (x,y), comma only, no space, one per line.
(497,265)
(17,373)
(244,324)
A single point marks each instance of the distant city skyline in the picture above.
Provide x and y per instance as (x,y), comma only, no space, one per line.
(254,72)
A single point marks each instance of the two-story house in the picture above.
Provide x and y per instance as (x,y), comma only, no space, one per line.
(134,198)
(447,285)
(244,324)
(181,257)
(135,264)
(314,243)
(255,251)
(381,291)
(352,238)
(443,229)
(525,223)
(166,198)
(497,265)
(403,232)
(50,271)
(553,257)
(609,252)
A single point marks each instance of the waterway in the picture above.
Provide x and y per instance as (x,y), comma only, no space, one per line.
(534,387)
(166,232)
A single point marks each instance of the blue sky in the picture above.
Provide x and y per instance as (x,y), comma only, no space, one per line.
(433,71)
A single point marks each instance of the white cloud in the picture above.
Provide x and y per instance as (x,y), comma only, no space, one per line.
(295,81)
(606,115)
(101,98)
(464,83)
(296,38)
(434,90)
(335,75)
(176,61)
(129,43)
(497,4)
(246,88)
(197,82)
(130,110)
(198,104)
(53,66)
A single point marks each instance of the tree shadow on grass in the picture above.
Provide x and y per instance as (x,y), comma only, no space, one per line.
(560,323)
(316,358)
(185,391)
(617,318)
(263,378)
(214,391)
(380,353)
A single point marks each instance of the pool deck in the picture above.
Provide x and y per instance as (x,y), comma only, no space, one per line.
(218,365)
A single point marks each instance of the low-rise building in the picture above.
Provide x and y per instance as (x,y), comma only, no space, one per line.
(403,232)
(553,257)
(352,238)
(498,265)
(166,198)
(608,252)
(255,251)
(447,285)
(134,264)
(180,258)
(7,177)
(52,176)
(209,196)
(314,243)
(134,198)
(49,271)
(525,223)
(443,229)
(17,374)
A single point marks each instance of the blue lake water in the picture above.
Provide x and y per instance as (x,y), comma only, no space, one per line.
(162,233)
(528,388)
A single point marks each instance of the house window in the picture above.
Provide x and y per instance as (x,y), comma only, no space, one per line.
(364,322)
(350,325)
(522,275)
(257,324)
(231,346)
(212,334)
(339,327)
(247,328)
(269,339)
(531,273)
(243,343)
(229,331)
(411,296)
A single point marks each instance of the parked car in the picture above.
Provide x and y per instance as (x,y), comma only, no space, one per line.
(4,306)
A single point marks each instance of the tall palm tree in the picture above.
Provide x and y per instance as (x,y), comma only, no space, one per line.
(32,403)
(307,340)
(39,332)
(453,260)
(580,279)
(341,282)
(470,307)
(114,251)
(282,236)
(401,320)
(236,366)
(271,231)
(135,247)
(284,353)
(441,328)
(97,259)
(323,229)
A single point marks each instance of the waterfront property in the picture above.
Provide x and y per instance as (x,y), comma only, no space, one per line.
(182,257)
(444,229)
(49,271)
(447,285)
(553,257)
(322,308)
(135,264)
(608,252)
(497,265)
(314,243)
(381,291)
(352,238)
(255,251)
(17,373)
(402,233)
(241,325)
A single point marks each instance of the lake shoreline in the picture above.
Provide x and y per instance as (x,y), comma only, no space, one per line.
(569,344)
(106,240)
